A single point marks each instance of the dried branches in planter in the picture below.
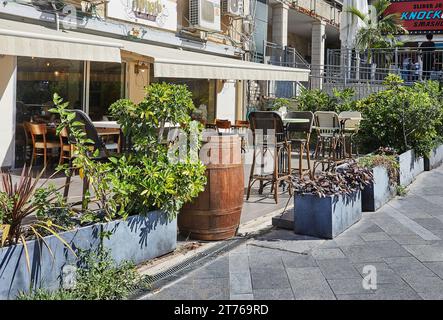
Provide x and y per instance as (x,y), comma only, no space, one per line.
(349,178)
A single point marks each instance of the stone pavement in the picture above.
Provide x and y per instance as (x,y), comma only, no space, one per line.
(403,241)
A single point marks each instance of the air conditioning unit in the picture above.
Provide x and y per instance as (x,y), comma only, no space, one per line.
(232,7)
(205,14)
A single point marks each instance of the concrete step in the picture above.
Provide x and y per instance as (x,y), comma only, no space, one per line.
(285,220)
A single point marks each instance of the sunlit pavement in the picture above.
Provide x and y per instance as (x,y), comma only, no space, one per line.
(394,253)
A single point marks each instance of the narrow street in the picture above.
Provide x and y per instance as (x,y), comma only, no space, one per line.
(403,241)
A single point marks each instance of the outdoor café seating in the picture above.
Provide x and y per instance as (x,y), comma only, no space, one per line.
(42,145)
(269,138)
(299,135)
(350,122)
(329,140)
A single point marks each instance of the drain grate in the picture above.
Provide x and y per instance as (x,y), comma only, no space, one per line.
(150,283)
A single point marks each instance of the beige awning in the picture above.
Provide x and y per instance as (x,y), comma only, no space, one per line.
(175,63)
(32,40)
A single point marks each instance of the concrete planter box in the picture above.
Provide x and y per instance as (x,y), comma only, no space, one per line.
(380,191)
(138,238)
(410,167)
(326,217)
(435,159)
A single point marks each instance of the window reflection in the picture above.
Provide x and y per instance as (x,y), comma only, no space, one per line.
(37,81)
(106,86)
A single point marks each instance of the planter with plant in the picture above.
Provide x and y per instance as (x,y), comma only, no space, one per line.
(138,195)
(97,277)
(385,167)
(406,118)
(435,158)
(330,203)
(36,240)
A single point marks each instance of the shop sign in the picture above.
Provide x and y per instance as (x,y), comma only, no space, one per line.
(154,13)
(419,16)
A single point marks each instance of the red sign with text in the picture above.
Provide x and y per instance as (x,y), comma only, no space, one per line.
(419,16)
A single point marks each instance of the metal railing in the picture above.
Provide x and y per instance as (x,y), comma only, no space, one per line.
(285,56)
(412,64)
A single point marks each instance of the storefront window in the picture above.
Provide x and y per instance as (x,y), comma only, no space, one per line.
(203,93)
(107,82)
(37,81)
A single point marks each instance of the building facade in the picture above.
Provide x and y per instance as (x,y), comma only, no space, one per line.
(95,52)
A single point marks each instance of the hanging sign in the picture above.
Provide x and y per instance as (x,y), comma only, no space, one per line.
(419,16)
(155,13)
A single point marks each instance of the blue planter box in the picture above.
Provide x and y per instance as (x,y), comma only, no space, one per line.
(137,239)
(380,191)
(326,217)
(435,159)
(410,167)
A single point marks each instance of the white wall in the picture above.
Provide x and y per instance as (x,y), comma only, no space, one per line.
(226,100)
(8,80)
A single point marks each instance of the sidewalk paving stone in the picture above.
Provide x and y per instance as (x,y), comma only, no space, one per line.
(403,241)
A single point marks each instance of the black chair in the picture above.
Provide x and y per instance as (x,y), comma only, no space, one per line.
(300,137)
(261,124)
(98,144)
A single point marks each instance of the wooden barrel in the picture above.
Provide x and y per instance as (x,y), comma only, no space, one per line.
(215,213)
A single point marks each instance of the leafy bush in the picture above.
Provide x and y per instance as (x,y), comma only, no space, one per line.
(142,184)
(150,178)
(154,174)
(401,117)
(318,100)
(349,178)
(97,278)
(314,100)
(278,103)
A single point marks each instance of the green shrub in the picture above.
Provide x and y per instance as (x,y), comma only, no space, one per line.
(155,174)
(314,100)
(401,117)
(97,278)
(318,100)
(149,179)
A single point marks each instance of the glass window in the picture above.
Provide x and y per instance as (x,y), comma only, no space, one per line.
(203,93)
(106,85)
(37,81)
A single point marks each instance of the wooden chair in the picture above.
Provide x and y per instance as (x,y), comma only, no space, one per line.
(241,128)
(40,143)
(224,125)
(269,136)
(66,148)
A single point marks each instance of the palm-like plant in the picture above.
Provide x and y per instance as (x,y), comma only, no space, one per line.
(378,32)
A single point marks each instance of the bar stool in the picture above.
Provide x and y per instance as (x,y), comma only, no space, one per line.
(350,121)
(329,140)
(241,128)
(300,136)
(269,136)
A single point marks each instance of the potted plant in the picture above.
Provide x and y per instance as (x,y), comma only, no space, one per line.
(406,118)
(330,203)
(138,195)
(385,167)
(435,157)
